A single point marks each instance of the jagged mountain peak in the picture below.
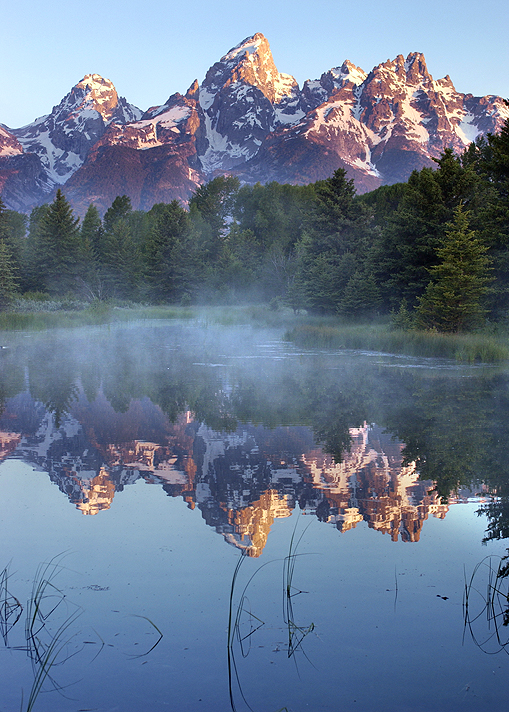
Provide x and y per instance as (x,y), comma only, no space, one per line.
(411,70)
(63,138)
(248,119)
(257,44)
(250,63)
(336,77)
(98,94)
(9,144)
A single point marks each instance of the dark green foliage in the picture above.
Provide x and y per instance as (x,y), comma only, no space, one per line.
(214,202)
(119,209)
(275,214)
(165,255)
(90,278)
(57,247)
(8,282)
(334,244)
(318,247)
(452,301)
(12,234)
(384,201)
(121,265)
(361,296)
(407,247)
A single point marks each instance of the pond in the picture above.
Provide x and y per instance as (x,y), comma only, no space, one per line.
(196,517)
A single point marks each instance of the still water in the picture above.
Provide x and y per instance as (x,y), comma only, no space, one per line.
(203,518)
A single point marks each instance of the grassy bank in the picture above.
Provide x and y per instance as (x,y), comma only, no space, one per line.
(101,313)
(302,329)
(464,348)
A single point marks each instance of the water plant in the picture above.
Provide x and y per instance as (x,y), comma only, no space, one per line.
(486,605)
(464,348)
(49,627)
(10,608)
(243,623)
(296,633)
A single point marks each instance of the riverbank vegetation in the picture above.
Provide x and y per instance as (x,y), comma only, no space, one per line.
(429,258)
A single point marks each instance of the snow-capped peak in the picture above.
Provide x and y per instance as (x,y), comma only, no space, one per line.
(348,72)
(63,138)
(245,48)
(249,63)
(99,94)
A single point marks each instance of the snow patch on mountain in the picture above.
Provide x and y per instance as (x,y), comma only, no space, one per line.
(467,130)
(63,138)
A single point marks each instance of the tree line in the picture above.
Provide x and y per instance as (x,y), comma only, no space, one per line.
(433,251)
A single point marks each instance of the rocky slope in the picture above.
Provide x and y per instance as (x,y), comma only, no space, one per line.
(41,156)
(248,119)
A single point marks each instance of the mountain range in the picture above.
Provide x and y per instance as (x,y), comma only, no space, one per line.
(246,119)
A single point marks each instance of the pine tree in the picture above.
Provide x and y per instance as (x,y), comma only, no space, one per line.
(164,252)
(453,300)
(408,244)
(361,296)
(91,277)
(8,283)
(215,203)
(119,209)
(58,256)
(122,263)
(333,244)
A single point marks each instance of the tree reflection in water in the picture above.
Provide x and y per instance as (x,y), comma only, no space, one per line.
(245,439)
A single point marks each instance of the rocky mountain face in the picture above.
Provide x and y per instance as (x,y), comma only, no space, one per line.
(41,156)
(247,119)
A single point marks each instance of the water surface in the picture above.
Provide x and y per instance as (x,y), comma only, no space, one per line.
(355,492)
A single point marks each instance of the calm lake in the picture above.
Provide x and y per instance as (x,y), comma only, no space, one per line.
(206,518)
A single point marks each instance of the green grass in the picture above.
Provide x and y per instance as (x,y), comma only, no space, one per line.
(100,313)
(464,348)
(303,329)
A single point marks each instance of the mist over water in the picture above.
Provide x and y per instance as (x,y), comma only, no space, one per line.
(356,488)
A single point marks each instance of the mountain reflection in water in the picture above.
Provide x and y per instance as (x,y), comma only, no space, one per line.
(249,431)
(241,481)
(247,444)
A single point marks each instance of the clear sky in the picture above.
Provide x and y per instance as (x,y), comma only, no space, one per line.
(153,48)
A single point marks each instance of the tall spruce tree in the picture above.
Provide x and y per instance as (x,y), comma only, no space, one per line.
(91,278)
(164,254)
(58,247)
(8,282)
(333,244)
(407,247)
(453,300)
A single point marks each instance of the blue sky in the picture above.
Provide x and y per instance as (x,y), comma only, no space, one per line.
(153,48)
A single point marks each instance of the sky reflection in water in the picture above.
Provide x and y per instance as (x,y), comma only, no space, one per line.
(177,439)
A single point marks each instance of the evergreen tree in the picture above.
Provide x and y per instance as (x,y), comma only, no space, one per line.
(119,209)
(91,277)
(3,222)
(122,268)
(12,232)
(361,297)
(453,300)
(58,255)
(8,283)
(334,243)
(407,246)
(164,254)
(215,202)
(32,278)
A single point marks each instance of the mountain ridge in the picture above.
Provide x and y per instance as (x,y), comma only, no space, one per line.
(248,119)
